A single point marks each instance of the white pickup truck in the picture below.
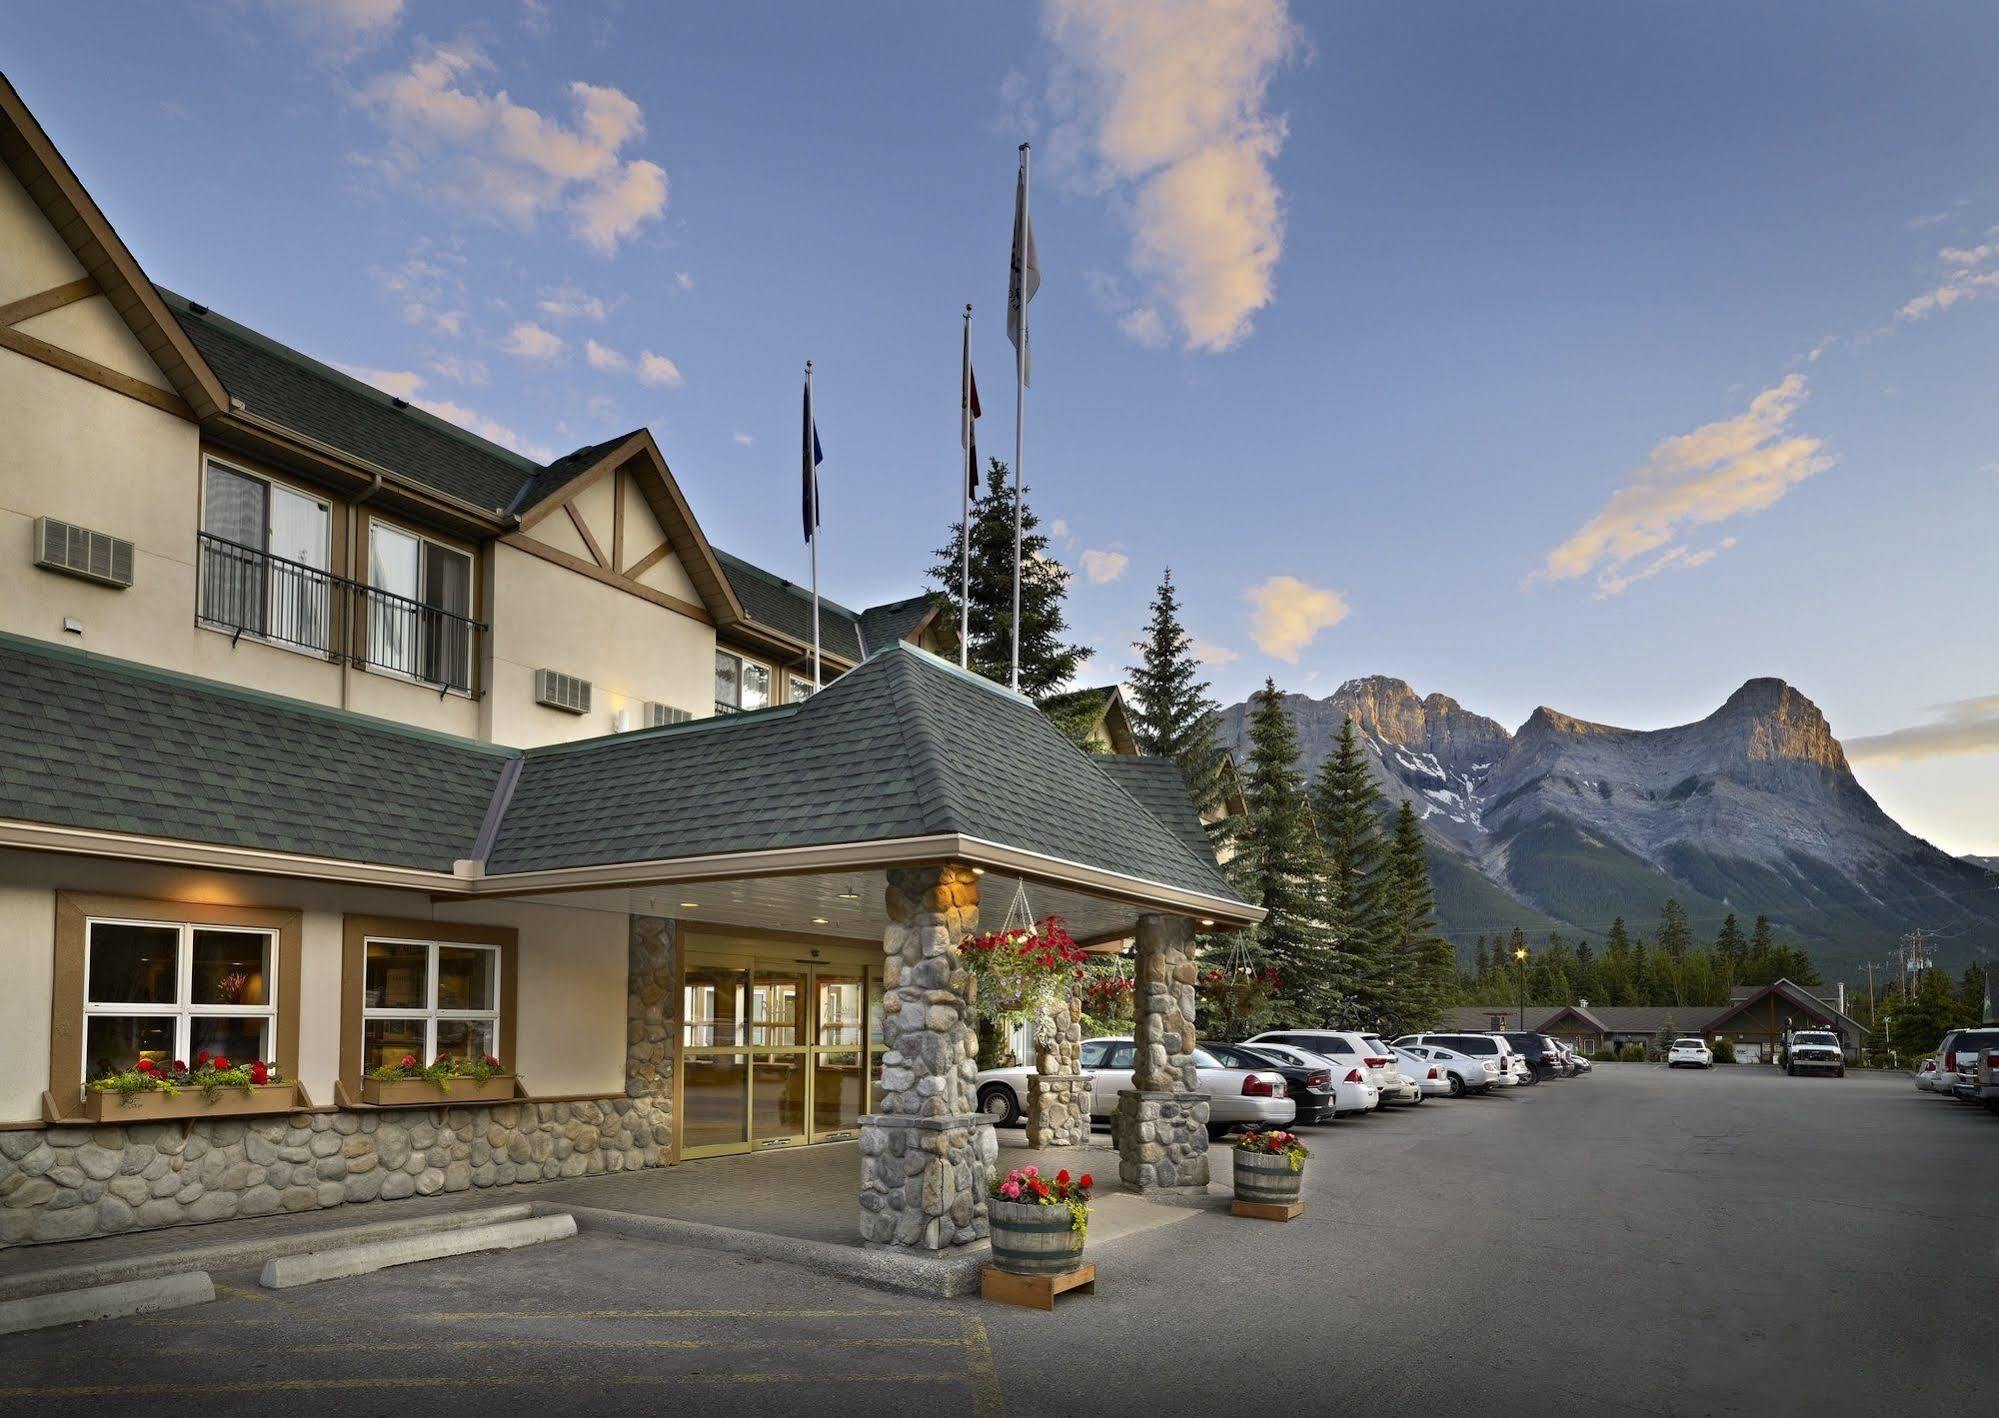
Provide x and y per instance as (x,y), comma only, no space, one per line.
(1968,1067)
(1814,1051)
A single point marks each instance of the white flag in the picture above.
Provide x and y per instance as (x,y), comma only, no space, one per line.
(1024,279)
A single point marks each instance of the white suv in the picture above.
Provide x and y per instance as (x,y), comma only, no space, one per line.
(1493,1053)
(1345,1046)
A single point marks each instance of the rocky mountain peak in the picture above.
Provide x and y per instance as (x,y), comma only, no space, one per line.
(1773,723)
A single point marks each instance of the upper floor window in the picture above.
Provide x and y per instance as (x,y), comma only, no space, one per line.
(740,683)
(801,689)
(419,612)
(264,551)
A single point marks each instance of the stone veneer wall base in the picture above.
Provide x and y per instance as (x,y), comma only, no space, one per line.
(1162,1139)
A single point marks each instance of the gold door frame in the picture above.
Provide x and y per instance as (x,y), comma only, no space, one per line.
(699,1034)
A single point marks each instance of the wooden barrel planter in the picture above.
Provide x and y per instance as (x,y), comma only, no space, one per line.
(1264,1180)
(1033,1240)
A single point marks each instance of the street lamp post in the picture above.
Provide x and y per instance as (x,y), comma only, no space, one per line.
(1520,954)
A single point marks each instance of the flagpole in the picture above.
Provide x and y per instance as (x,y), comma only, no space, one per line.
(1019,420)
(965,501)
(812,477)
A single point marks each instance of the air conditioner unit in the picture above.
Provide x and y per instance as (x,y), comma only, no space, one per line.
(78,551)
(557,690)
(659,715)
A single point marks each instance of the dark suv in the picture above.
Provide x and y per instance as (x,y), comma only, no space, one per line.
(1541,1054)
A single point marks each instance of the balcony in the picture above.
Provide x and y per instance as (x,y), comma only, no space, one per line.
(245,591)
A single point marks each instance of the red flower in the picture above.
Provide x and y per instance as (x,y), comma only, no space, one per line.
(409,1060)
(1063,1175)
(1087,1181)
(145,1065)
(201,1058)
(180,1065)
(222,1064)
(259,1074)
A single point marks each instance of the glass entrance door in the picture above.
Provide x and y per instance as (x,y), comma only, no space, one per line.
(775,1052)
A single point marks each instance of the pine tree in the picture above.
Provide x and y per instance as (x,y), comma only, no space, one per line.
(1676,937)
(1280,866)
(1418,961)
(1047,662)
(1172,713)
(1346,809)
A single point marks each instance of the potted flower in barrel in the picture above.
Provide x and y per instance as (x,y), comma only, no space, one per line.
(1269,1175)
(1038,1222)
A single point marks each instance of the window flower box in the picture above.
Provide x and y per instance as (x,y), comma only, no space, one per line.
(106,1106)
(390,1092)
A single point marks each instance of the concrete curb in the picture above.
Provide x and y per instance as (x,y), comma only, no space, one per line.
(104,1302)
(241,1255)
(886,1270)
(286,1272)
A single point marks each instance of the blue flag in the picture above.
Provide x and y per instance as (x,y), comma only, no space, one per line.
(813,456)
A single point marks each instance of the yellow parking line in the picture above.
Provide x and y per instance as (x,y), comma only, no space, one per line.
(663,1315)
(466,1381)
(435,1345)
(979,1362)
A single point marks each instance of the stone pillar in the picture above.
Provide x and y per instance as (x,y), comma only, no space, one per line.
(652,997)
(1162,1124)
(927,1155)
(1058,1092)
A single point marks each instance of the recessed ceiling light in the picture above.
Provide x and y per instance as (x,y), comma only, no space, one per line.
(690,905)
(978,871)
(821,921)
(1207,921)
(850,895)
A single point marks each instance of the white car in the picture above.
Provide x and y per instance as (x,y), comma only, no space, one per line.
(1355,1093)
(1234,1095)
(1462,1073)
(1347,1049)
(1690,1053)
(1494,1055)
(1429,1076)
(1407,1086)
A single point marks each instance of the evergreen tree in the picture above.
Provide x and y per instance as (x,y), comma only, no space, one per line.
(1346,809)
(1047,661)
(1676,937)
(1280,866)
(1416,959)
(1172,713)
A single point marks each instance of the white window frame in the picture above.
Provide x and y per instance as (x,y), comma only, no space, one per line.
(800,688)
(430,1014)
(182,1011)
(744,662)
(208,463)
(369,616)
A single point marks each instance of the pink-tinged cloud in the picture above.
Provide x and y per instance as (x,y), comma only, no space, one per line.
(1288,615)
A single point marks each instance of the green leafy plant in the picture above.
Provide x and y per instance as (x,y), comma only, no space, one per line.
(1275,1143)
(1026,1184)
(211,1073)
(441,1073)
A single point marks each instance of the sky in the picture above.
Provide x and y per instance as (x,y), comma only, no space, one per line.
(1596,356)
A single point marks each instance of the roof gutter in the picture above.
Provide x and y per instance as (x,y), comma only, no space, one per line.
(131,847)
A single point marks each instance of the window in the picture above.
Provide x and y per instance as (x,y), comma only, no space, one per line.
(1121,1055)
(1093,1053)
(740,683)
(429,1000)
(419,607)
(263,555)
(801,688)
(166,990)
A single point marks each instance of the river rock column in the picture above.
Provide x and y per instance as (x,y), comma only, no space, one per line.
(1058,1092)
(927,1155)
(1161,1128)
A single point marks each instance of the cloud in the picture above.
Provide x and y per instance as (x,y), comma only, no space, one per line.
(1962,727)
(1678,558)
(604,359)
(657,371)
(1211,654)
(531,341)
(1968,273)
(684,280)
(571,303)
(1290,613)
(462,371)
(535,19)
(448,133)
(1167,101)
(744,438)
(1145,326)
(1103,567)
(429,288)
(398,383)
(1930,219)
(339,30)
(1720,470)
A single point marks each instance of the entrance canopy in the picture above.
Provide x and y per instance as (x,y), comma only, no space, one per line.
(786,818)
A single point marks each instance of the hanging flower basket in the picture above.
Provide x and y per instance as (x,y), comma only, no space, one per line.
(1017,965)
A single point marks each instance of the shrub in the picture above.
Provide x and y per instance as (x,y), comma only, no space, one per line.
(1631,1053)
(1724,1051)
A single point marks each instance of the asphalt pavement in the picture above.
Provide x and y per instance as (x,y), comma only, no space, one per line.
(1637,1241)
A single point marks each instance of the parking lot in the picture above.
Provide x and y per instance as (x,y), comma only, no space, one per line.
(1636,1241)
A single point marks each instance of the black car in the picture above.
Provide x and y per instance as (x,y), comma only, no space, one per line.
(1542,1056)
(1312,1089)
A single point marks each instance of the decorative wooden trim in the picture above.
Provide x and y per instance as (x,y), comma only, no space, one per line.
(608,578)
(649,561)
(69,362)
(583,531)
(355,931)
(29,306)
(582,482)
(618,520)
(73,908)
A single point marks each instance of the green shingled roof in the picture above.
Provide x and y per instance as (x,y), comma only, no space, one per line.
(882,626)
(771,600)
(91,742)
(1158,786)
(278,383)
(904,745)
